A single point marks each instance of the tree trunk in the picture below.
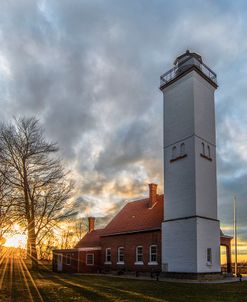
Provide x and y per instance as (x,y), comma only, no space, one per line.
(30,220)
(28,248)
(32,244)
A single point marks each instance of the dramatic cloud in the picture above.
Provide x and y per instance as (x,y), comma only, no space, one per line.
(89,70)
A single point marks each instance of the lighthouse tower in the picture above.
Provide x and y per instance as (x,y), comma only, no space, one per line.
(190,231)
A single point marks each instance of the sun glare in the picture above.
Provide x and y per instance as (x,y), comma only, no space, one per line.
(16,241)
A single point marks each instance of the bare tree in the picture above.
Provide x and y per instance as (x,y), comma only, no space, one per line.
(36,177)
(7,219)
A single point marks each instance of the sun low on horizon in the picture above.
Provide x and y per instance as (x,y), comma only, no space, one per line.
(17,241)
(16,238)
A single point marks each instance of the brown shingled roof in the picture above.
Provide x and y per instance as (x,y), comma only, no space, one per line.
(91,239)
(134,216)
(137,216)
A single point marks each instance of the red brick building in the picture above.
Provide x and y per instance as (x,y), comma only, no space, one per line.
(131,242)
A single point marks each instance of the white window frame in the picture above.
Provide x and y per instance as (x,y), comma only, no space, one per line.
(68,257)
(106,254)
(90,264)
(138,262)
(150,255)
(209,261)
(118,255)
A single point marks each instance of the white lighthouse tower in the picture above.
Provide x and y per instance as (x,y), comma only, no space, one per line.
(190,231)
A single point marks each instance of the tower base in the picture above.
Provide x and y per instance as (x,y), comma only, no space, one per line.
(193,276)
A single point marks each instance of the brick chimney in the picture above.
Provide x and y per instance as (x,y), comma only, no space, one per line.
(91,222)
(152,194)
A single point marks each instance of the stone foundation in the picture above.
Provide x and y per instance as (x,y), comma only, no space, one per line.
(192,276)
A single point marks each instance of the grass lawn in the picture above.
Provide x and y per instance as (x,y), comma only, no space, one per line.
(19,284)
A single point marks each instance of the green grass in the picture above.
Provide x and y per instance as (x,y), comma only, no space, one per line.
(99,288)
(56,287)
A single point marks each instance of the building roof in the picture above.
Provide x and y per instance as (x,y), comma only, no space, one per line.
(186,55)
(135,216)
(91,239)
(223,235)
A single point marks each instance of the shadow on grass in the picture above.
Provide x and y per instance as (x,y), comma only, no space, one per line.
(79,287)
(92,290)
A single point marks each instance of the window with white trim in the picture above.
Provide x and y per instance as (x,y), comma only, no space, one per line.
(90,259)
(68,259)
(209,256)
(153,256)
(120,254)
(108,255)
(139,254)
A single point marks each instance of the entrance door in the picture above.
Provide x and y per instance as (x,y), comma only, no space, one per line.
(59,262)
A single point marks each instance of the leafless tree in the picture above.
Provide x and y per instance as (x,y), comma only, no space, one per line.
(7,219)
(36,176)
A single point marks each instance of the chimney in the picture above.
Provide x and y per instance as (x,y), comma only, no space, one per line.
(91,221)
(152,195)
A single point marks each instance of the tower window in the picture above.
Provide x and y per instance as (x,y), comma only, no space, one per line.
(209,256)
(182,149)
(203,148)
(209,155)
(174,152)
(178,155)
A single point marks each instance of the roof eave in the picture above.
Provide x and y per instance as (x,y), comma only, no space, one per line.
(131,232)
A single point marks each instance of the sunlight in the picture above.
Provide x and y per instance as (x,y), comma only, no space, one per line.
(16,241)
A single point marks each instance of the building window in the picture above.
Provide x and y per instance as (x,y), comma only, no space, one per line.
(203,149)
(120,255)
(209,256)
(108,255)
(174,152)
(182,149)
(153,253)
(68,259)
(90,259)
(139,254)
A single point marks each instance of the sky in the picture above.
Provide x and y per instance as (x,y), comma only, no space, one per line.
(89,71)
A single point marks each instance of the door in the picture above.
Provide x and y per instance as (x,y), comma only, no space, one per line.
(59,262)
